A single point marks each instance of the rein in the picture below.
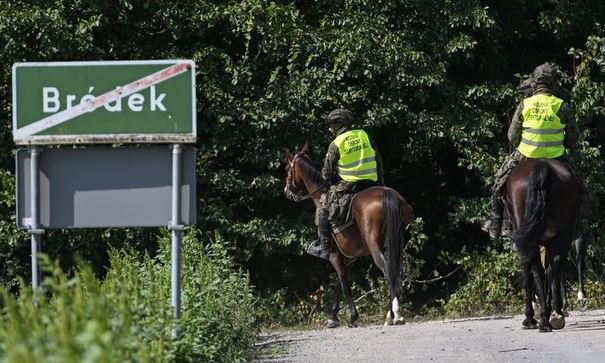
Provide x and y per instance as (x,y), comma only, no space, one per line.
(297,198)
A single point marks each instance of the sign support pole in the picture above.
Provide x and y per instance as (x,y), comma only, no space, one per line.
(34,230)
(176,229)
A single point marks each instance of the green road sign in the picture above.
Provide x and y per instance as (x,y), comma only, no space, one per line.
(104,102)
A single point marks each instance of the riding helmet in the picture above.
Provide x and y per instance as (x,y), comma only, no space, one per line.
(339,118)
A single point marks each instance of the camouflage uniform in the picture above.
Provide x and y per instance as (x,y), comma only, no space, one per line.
(544,84)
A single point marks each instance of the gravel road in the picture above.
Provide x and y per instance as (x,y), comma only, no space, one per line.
(487,339)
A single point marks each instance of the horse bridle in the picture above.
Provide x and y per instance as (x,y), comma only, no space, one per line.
(291,182)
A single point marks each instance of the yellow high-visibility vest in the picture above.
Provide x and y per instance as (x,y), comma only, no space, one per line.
(357,157)
(543,133)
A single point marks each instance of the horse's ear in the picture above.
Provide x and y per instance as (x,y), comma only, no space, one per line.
(306,149)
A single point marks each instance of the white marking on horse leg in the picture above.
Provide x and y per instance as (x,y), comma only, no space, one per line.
(389,320)
(395,308)
(581,295)
(536,308)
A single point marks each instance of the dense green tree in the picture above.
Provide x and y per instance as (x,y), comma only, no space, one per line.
(433,81)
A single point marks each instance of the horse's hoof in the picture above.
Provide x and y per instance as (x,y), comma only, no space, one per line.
(399,321)
(544,328)
(582,304)
(389,320)
(557,321)
(331,323)
(530,323)
(352,325)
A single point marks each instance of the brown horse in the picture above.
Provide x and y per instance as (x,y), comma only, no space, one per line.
(381,215)
(542,203)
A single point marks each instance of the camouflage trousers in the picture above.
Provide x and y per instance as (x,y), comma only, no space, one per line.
(334,203)
(513,159)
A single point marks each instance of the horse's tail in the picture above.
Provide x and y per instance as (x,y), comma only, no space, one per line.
(392,232)
(533,226)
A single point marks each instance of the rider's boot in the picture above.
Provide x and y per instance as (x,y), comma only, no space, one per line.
(321,247)
(493,225)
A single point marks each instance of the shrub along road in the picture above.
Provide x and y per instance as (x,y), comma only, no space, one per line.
(470,340)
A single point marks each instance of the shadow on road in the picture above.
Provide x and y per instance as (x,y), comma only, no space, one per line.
(586,325)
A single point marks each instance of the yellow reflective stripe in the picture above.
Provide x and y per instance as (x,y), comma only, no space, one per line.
(543,137)
(358,172)
(542,143)
(359,162)
(544,131)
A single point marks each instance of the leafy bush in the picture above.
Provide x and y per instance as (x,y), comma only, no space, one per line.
(493,285)
(127,316)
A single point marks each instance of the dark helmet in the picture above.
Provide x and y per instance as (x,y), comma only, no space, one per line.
(339,118)
(544,74)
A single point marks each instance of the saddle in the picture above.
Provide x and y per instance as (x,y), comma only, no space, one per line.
(340,203)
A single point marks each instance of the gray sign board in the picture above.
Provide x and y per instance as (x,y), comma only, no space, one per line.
(99,187)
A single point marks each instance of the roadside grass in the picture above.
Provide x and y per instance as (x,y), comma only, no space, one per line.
(127,316)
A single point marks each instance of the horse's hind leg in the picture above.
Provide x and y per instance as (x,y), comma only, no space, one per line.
(393,316)
(529,322)
(557,282)
(581,245)
(333,321)
(557,320)
(338,264)
(538,278)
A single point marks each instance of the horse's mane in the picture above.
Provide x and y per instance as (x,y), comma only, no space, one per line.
(311,170)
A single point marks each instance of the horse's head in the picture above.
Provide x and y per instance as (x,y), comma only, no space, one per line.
(296,189)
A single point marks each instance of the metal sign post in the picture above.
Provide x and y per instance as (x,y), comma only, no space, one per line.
(34,230)
(176,228)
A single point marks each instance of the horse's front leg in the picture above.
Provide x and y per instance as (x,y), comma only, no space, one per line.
(333,321)
(338,264)
(529,322)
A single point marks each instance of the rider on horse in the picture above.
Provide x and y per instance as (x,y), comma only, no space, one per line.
(352,161)
(543,126)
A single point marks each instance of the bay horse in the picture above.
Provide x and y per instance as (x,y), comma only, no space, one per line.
(381,216)
(542,203)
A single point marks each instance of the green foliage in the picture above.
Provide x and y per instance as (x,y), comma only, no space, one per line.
(127,316)
(275,311)
(433,81)
(493,285)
